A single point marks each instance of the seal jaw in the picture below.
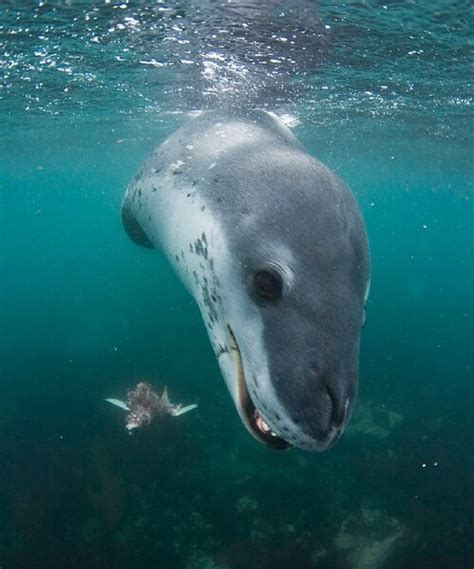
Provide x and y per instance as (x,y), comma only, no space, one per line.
(251,417)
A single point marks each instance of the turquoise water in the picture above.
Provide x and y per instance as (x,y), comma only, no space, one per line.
(379,92)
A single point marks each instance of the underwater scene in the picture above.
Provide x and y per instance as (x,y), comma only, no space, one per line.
(131,375)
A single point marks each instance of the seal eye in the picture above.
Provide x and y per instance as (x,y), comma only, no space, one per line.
(267,285)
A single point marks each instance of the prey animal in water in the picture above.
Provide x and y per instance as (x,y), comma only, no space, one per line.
(144,405)
(272,246)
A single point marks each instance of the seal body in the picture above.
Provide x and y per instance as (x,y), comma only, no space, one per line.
(272,246)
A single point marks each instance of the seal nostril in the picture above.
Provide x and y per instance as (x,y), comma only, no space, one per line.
(339,410)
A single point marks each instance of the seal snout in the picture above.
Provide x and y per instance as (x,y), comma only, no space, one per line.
(338,413)
(318,405)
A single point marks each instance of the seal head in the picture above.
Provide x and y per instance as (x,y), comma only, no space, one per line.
(273,247)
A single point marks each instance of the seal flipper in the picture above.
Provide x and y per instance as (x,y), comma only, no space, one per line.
(133,228)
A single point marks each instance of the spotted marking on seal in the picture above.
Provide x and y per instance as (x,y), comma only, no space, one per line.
(200,246)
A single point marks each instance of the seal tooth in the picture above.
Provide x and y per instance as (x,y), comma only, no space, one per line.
(261,423)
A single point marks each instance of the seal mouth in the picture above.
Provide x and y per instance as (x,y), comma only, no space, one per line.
(251,416)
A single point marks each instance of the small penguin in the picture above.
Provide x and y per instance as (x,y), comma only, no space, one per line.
(144,405)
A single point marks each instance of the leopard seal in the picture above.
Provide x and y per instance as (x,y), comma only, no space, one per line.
(272,246)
